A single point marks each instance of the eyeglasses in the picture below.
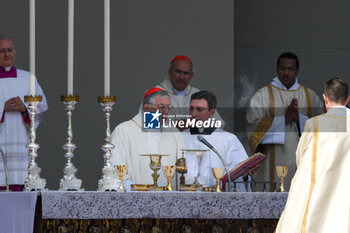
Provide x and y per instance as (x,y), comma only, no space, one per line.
(10,50)
(198,109)
(162,107)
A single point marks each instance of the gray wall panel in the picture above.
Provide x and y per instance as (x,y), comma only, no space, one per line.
(145,35)
(316,31)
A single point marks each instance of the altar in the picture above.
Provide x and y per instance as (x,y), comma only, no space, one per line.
(160,211)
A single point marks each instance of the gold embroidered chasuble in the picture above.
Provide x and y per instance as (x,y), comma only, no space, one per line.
(266,104)
(318,200)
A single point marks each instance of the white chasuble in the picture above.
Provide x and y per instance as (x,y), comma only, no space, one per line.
(13,131)
(268,133)
(318,201)
(227,144)
(131,140)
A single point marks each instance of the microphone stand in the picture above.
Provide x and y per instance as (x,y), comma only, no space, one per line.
(225,165)
(6,172)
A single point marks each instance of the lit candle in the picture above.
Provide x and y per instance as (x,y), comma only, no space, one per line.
(70,47)
(32,47)
(107,49)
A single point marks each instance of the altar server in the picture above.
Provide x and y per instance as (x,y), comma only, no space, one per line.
(133,138)
(318,201)
(14,123)
(202,108)
(276,117)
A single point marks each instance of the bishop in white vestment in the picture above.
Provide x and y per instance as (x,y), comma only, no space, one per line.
(14,125)
(132,139)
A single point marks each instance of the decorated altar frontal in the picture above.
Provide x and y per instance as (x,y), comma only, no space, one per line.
(160,211)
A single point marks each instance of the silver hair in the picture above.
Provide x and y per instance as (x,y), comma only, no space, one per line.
(7,37)
(150,98)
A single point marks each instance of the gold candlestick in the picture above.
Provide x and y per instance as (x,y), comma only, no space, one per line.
(218,172)
(169,172)
(121,171)
(282,172)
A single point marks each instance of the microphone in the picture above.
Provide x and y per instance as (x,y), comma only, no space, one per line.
(210,146)
(205,142)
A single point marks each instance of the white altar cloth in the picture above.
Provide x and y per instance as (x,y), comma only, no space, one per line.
(17,210)
(170,205)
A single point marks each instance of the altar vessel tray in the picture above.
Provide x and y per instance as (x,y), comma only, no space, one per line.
(141,187)
(209,189)
(190,187)
(147,187)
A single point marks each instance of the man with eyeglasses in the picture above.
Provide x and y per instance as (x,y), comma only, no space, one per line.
(14,117)
(202,109)
(133,138)
(178,85)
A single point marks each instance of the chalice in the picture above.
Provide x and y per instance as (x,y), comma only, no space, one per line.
(199,154)
(155,165)
(218,172)
(169,172)
(121,171)
(281,172)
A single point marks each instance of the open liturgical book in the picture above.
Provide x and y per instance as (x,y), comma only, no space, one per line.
(244,168)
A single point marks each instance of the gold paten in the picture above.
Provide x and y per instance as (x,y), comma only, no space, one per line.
(209,189)
(191,187)
(141,187)
(159,189)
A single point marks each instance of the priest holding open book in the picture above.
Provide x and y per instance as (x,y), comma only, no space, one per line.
(202,108)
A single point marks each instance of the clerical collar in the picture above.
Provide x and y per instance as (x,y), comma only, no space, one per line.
(338,111)
(205,131)
(276,82)
(8,72)
(176,92)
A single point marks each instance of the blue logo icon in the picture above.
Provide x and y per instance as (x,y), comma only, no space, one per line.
(151,120)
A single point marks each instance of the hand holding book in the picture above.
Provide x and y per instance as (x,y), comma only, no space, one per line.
(248,166)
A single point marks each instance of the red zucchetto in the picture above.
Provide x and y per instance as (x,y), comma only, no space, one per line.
(152,90)
(180,57)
